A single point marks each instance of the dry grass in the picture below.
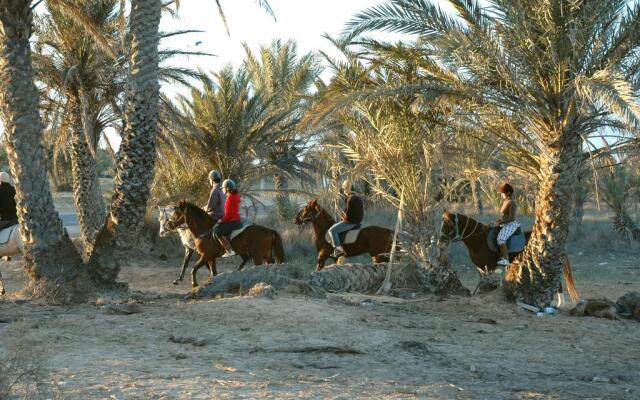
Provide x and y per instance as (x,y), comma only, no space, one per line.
(22,371)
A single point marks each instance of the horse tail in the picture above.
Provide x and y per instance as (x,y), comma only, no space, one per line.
(277,246)
(568,277)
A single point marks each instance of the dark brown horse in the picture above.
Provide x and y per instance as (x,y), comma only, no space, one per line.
(375,240)
(255,242)
(459,227)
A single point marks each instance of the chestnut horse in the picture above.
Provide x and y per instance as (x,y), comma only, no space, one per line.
(255,242)
(375,240)
(458,227)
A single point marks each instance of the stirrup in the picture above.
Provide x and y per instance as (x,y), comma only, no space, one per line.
(228,254)
(337,253)
(503,262)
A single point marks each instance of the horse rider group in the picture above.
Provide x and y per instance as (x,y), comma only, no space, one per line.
(223,207)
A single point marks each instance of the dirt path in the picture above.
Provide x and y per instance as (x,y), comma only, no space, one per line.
(257,348)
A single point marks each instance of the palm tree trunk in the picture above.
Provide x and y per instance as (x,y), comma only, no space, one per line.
(136,158)
(476,194)
(283,206)
(86,189)
(578,214)
(536,275)
(50,258)
(137,153)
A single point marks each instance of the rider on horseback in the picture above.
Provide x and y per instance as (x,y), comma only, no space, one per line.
(352,216)
(8,215)
(215,205)
(230,221)
(507,222)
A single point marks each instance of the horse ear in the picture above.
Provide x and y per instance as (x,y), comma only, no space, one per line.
(446,213)
(314,202)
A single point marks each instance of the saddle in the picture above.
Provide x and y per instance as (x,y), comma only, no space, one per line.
(5,234)
(347,237)
(515,243)
(246,222)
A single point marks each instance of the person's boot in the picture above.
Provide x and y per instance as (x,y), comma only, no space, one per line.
(338,252)
(228,251)
(504,259)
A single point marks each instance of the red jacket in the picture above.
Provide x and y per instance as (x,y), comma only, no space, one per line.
(232,208)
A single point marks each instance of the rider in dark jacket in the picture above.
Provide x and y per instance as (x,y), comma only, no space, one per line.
(353,216)
(8,214)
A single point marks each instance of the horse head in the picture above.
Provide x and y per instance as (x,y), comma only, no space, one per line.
(177,217)
(456,227)
(163,219)
(450,230)
(308,213)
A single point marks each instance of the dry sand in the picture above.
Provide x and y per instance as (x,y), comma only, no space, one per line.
(437,348)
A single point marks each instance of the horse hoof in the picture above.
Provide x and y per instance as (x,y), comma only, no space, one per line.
(194,285)
(176,281)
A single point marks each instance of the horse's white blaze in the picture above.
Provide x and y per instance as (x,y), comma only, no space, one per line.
(185,235)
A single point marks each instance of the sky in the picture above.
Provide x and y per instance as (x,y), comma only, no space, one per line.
(302,20)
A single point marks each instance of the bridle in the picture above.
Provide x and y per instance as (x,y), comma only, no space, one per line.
(311,218)
(460,235)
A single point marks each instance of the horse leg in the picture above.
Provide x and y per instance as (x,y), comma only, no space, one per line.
(245,258)
(187,257)
(194,271)
(1,286)
(322,258)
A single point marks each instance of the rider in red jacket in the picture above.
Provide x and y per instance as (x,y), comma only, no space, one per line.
(230,221)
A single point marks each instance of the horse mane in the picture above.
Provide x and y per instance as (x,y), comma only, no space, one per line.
(323,210)
(195,208)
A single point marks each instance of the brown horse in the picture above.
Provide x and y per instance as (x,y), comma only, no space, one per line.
(255,242)
(458,227)
(375,240)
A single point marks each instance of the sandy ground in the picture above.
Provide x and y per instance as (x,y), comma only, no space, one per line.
(437,348)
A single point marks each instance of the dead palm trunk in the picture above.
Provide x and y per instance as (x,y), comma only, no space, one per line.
(536,275)
(476,194)
(50,258)
(86,189)
(136,158)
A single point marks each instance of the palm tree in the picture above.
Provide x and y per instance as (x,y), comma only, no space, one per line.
(559,70)
(618,182)
(284,78)
(71,64)
(227,125)
(50,258)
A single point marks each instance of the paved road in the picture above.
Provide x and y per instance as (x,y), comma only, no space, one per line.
(70,221)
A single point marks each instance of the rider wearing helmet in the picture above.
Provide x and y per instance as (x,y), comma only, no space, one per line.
(230,221)
(507,222)
(8,214)
(215,205)
(353,216)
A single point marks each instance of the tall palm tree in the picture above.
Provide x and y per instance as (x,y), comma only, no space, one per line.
(72,65)
(50,258)
(559,70)
(136,157)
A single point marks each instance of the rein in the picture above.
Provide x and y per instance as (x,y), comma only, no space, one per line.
(460,235)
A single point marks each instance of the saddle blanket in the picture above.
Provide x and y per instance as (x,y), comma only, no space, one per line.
(348,237)
(5,234)
(515,243)
(245,224)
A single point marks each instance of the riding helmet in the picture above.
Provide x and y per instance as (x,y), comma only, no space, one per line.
(215,176)
(506,189)
(229,184)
